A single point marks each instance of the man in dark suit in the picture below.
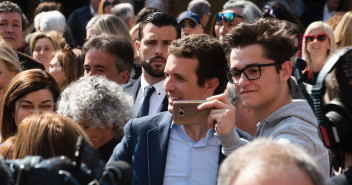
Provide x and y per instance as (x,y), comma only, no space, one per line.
(161,152)
(156,32)
(79,18)
(12,24)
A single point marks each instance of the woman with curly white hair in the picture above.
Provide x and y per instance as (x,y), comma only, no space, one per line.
(102,109)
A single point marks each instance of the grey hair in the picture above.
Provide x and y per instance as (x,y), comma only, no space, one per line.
(269,157)
(251,12)
(52,20)
(123,10)
(199,7)
(98,101)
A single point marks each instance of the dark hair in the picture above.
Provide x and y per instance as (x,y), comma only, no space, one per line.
(282,13)
(8,6)
(339,81)
(271,34)
(47,6)
(211,57)
(144,12)
(158,19)
(117,45)
(22,84)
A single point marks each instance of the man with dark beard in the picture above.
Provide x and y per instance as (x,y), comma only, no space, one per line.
(156,32)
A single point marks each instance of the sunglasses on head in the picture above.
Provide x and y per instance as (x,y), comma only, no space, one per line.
(191,24)
(226,16)
(107,3)
(320,37)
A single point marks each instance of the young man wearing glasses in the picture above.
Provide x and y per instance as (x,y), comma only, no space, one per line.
(260,70)
(189,23)
(234,12)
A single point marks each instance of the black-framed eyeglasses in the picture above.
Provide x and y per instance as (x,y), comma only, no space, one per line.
(191,24)
(251,72)
(107,3)
(227,17)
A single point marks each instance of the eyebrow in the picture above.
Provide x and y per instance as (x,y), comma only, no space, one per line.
(45,101)
(249,65)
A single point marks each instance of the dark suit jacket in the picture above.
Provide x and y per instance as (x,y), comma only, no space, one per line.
(28,62)
(144,147)
(78,21)
(132,89)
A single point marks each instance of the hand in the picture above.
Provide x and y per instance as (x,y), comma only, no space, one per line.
(223,114)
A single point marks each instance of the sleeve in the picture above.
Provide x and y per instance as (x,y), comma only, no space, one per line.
(230,141)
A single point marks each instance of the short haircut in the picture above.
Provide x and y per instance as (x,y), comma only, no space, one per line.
(199,7)
(328,30)
(271,34)
(123,10)
(144,12)
(52,21)
(9,58)
(269,157)
(158,19)
(22,84)
(96,100)
(211,57)
(47,135)
(8,6)
(250,11)
(117,45)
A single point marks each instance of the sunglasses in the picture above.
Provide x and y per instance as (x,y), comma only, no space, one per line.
(191,24)
(226,16)
(320,37)
(107,3)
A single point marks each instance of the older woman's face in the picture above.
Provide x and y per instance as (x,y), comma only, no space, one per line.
(318,47)
(5,77)
(34,102)
(44,51)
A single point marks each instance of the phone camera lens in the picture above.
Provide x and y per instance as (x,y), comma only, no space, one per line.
(181,112)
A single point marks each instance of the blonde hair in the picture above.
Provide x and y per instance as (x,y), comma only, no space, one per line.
(111,25)
(48,135)
(55,37)
(343,31)
(9,57)
(328,30)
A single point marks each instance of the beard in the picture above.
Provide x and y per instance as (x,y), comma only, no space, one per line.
(157,73)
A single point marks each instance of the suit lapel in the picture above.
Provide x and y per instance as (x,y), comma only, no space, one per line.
(158,140)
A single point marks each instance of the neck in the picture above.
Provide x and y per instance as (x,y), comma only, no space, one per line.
(196,132)
(317,63)
(150,79)
(265,111)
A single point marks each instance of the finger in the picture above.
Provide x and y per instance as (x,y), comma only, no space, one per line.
(214,104)
(221,97)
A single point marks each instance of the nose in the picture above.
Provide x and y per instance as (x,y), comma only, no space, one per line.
(10,28)
(159,50)
(222,30)
(243,80)
(91,73)
(168,84)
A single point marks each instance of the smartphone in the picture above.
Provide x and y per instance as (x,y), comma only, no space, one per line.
(186,113)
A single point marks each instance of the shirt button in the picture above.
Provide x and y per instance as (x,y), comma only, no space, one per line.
(191,174)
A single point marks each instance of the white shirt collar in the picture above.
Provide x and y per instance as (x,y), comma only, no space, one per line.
(159,87)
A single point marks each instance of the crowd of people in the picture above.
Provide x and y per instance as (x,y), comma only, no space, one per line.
(112,77)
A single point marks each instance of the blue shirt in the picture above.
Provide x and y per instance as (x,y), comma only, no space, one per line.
(190,163)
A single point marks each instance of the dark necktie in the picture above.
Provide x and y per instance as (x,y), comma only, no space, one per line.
(144,110)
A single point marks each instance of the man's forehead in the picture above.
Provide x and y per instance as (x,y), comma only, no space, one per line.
(10,15)
(151,29)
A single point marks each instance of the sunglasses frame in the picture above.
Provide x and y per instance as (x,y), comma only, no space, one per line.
(308,38)
(107,3)
(191,25)
(227,17)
